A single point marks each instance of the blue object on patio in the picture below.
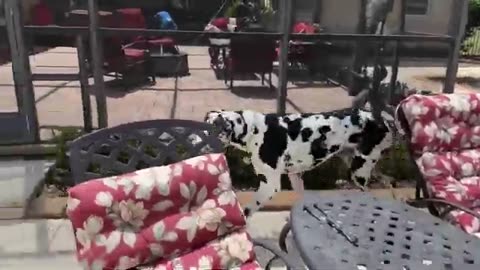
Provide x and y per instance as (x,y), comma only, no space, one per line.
(165,21)
(354,230)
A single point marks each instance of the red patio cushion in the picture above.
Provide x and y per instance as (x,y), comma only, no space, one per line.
(134,54)
(445,139)
(163,216)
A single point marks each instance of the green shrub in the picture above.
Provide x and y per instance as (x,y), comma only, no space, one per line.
(396,165)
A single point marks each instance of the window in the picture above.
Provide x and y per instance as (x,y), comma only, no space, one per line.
(417,7)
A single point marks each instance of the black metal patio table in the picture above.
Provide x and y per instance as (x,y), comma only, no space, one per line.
(354,230)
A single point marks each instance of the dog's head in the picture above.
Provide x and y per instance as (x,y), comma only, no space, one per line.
(228,124)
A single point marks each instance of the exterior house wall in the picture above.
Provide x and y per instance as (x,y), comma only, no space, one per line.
(341,16)
(436,21)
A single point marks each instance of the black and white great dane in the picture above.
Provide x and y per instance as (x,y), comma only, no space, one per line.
(295,143)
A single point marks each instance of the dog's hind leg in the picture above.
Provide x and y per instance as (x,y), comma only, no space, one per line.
(264,193)
(365,159)
(297,182)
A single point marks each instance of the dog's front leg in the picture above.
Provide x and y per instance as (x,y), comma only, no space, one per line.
(297,182)
(264,193)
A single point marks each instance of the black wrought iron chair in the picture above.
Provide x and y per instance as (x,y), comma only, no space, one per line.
(133,146)
(138,145)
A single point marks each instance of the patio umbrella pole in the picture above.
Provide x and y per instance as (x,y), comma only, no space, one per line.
(287,15)
(97,59)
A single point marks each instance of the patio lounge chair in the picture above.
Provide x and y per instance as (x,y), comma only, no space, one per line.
(133,18)
(179,216)
(131,63)
(443,134)
(249,55)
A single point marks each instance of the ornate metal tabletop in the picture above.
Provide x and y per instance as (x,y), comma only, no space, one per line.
(354,230)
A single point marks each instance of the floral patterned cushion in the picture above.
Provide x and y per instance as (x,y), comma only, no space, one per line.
(445,140)
(156,214)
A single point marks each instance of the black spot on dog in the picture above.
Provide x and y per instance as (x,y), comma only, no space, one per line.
(239,138)
(318,149)
(374,134)
(262,178)
(299,161)
(334,148)
(306,134)
(258,203)
(357,163)
(294,128)
(246,212)
(355,118)
(255,130)
(274,142)
(324,129)
(355,138)
(361,180)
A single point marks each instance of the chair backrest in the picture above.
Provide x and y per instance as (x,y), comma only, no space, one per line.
(133,146)
(443,133)
(252,54)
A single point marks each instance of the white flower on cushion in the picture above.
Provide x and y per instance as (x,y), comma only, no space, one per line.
(128,214)
(215,157)
(177,170)
(72,204)
(234,250)
(467,169)
(414,109)
(447,135)
(163,205)
(104,199)
(90,232)
(197,162)
(431,130)
(127,184)
(126,262)
(161,235)
(473,181)
(459,191)
(163,178)
(224,190)
(161,267)
(145,182)
(205,263)
(210,216)
(460,104)
(188,193)
(474,227)
(110,182)
(128,217)
(212,169)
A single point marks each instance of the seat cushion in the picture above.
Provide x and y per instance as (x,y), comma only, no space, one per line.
(161,42)
(153,214)
(233,250)
(134,54)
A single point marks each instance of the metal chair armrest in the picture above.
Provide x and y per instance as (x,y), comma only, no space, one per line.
(450,206)
(286,258)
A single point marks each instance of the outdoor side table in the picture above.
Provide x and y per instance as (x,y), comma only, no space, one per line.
(354,230)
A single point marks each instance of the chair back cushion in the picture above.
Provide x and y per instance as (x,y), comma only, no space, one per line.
(444,137)
(153,214)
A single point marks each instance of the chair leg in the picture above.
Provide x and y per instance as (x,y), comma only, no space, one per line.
(231,80)
(270,80)
(263,78)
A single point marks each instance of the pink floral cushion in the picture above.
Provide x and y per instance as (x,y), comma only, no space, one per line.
(445,139)
(155,214)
